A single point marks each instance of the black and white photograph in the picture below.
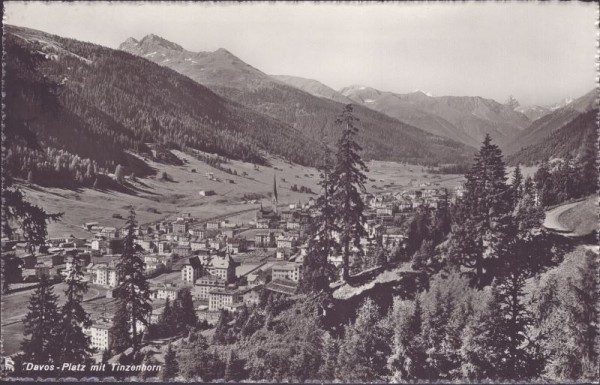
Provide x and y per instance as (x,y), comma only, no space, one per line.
(300,192)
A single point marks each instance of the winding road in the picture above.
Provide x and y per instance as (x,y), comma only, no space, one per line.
(551,221)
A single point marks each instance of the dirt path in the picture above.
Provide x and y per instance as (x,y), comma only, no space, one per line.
(551,221)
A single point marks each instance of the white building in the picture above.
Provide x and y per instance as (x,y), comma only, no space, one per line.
(222,299)
(98,334)
(291,271)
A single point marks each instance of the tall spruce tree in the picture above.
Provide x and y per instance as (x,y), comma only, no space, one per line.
(348,182)
(166,321)
(482,214)
(364,350)
(516,185)
(11,270)
(188,318)
(133,292)
(75,344)
(317,271)
(171,368)
(41,344)
(119,337)
(407,361)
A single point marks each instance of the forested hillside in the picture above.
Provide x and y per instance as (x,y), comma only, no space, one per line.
(541,129)
(88,105)
(382,137)
(563,142)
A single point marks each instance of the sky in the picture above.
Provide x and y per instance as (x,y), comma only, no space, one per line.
(538,52)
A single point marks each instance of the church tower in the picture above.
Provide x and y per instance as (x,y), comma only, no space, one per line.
(274,198)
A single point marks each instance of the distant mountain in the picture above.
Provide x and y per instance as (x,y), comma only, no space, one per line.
(382,137)
(533,112)
(540,130)
(462,118)
(94,105)
(566,140)
(560,104)
(313,87)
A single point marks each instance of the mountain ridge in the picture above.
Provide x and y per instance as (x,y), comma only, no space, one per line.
(463,118)
(543,127)
(382,137)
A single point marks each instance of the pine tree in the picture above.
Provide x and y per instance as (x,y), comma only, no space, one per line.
(363,352)
(407,361)
(40,324)
(544,184)
(133,292)
(446,308)
(482,214)
(348,179)
(166,322)
(119,338)
(75,344)
(11,270)
(171,368)
(219,337)
(185,304)
(496,344)
(517,185)
(317,271)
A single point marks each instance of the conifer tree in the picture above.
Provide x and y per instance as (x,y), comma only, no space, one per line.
(75,344)
(364,350)
(11,270)
(133,290)
(481,215)
(119,337)
(185,303)
(317,271)
(41,344)
(407,361)
(171,368)
(329,356)
(516,185)
(348,179)
(166,322)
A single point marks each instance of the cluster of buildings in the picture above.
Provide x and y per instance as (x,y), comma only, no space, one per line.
(225,265)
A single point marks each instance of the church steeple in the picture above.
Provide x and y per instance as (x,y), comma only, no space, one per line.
(275,198)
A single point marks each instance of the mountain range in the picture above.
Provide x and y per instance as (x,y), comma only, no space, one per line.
(92,105)
(541,129)
(92,102)
(381,136)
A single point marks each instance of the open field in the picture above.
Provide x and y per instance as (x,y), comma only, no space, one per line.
(157,199)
